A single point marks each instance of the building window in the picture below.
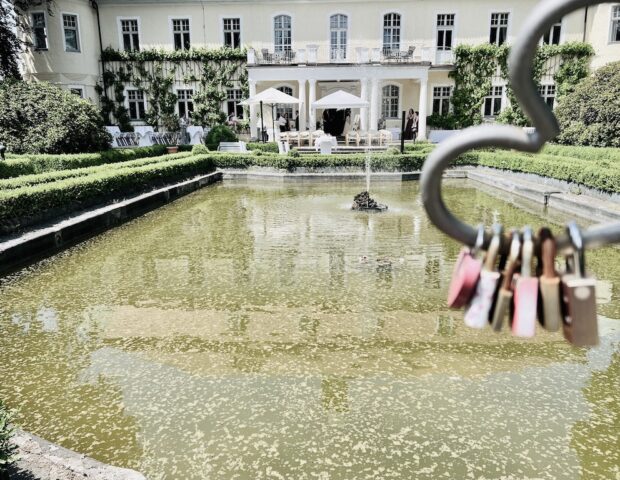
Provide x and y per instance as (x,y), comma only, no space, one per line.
(445,29)
(232,32)
(391,32)
(547,92)
(615,23)
(39,31)
(441,100)
(282,33)
(131,37)
(70,26)
(185,102)
(282,109)
(499,28)
(389,104)
(552,37)
(493,103)
(137,106)
(338,29)
(234,96)
(180,31)
(79,91)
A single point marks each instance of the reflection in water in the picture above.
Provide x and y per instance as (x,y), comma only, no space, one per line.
(257,332)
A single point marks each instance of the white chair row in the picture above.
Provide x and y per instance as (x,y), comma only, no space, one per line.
(301,138)
(381,137)
(145,136)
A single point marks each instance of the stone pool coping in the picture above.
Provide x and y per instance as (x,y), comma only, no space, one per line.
(43,242)
(42,460)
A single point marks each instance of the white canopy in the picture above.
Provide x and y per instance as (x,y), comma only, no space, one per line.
(340,100)
(271,96)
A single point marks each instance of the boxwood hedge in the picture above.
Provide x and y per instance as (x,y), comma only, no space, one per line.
(37,202)
(31,164)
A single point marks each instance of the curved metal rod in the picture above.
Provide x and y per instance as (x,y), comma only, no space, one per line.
(520,61)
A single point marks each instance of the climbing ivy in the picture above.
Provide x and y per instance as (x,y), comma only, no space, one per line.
(475,66)
(155,72)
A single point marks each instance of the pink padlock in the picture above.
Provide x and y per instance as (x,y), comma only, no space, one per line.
(525,292)
(466,274)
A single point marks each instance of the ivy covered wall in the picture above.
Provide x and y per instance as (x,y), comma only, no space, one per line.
(210,73)
(476,67)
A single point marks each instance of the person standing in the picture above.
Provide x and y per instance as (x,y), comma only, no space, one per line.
(297,120)
(416,121)
(409,127)
(287,125)
(282,122)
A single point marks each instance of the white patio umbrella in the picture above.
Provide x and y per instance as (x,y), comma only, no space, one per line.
(340,100)
(272,97)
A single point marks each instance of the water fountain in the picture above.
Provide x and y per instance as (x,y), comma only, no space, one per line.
(363,200)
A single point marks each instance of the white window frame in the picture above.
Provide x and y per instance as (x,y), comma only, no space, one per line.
(442,97)
(78,87)
(171,20)
(237,101)
(273,30)
(400,99)
(508,24)
(543,91)
(560,40)
(613,20)
(348,35)
(47,38)
(285,108)
(176,91)
(119,23)
(400,27)
(452,28)
(79,33)
(222,34)
(146,104)
(502,103)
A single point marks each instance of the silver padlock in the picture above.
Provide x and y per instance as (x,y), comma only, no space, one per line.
(580,323)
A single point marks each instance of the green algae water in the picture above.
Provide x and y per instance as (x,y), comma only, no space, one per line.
(268,332)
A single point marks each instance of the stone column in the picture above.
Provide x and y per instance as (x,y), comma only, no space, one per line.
(423,109)
(374,104)
(364,111)
(253,120)
(302,106)
(311,100)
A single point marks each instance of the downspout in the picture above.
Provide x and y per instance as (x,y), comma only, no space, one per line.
(585,24)
(94,5)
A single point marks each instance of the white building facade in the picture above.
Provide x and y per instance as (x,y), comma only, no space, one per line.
(395,54)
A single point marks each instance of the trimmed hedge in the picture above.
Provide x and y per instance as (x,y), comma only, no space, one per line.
(40,201)
(263,147)
(49,177)
(603,176)
(32,164)
(583,153)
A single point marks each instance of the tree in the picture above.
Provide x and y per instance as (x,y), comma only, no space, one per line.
(590,115)
(12,23)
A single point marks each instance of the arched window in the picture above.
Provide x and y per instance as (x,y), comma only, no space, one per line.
(389,102)
(338,30)
(282,33)
(391,32)
(282,109)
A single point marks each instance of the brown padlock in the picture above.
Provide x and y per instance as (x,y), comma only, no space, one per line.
(550,301)
(504,295)
(580,323)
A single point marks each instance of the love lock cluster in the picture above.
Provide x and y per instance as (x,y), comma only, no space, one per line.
(502,282)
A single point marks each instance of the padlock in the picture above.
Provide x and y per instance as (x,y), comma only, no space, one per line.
(550,300)
(580,323)
(504,295)
(466,273)
(477,314)
(526,291)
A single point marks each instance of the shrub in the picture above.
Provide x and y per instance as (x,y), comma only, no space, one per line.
(7,449)
(199,149)
(43,118)
(219,133)
(270,147)
(590,115)
(39,202)
(32,164)
(442,122)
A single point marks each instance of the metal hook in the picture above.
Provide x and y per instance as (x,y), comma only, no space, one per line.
(520,62)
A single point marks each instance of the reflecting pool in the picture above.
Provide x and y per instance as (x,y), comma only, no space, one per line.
(266,331)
